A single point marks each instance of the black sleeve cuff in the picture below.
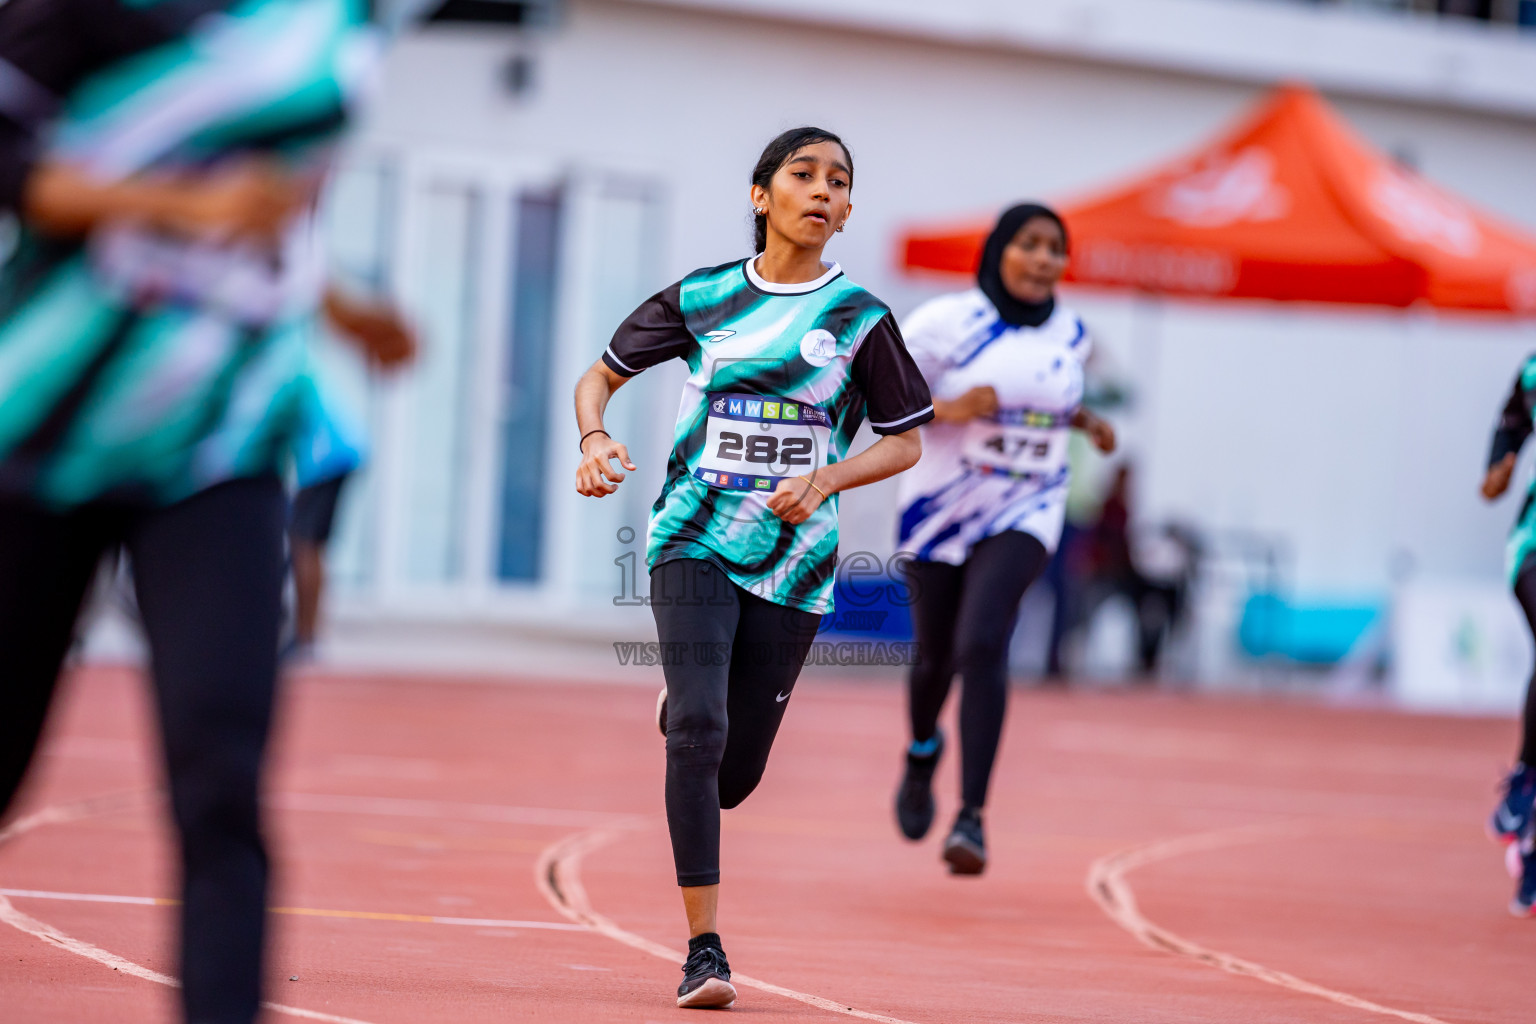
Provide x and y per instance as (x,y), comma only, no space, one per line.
(904,424)
(612,362)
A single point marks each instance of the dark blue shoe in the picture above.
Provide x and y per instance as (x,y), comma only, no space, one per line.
(1512,818)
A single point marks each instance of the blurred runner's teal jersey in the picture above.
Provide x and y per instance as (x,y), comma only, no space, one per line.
(1516,423)
(782,376)
(136,365)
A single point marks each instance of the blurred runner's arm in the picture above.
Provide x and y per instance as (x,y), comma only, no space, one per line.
(245,200)
(47,47)
(1511,433)
(376,328)
(652,334)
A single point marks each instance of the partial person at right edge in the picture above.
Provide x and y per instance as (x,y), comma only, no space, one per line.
(983,510)
(1512,821)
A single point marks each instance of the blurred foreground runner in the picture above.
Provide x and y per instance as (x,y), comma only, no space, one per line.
(1512,820)
(162,157)
(786,357)
(983,510)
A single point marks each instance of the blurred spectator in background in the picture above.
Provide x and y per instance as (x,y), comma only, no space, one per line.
(1152,570)
(163,160)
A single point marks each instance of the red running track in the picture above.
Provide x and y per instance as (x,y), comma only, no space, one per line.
(494,851)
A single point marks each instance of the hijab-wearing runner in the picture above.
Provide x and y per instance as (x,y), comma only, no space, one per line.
(983,510)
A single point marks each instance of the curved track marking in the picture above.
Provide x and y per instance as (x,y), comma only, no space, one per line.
(351,915)
(51,935)
(1108,887)
(558,877)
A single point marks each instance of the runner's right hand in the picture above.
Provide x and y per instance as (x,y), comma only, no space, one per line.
(596,477)
(250,199)
(978,402)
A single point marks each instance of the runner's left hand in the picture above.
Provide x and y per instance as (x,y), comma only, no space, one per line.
(376,328)
(1102,435)
(794,500)
(1098,430)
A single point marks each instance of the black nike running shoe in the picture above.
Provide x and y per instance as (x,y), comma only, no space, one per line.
(706,981)
(966,848)
(914,800)
(661,711)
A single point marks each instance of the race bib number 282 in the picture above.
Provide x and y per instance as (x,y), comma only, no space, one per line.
(754,441)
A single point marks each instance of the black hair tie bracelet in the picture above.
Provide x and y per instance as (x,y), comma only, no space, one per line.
(588,434)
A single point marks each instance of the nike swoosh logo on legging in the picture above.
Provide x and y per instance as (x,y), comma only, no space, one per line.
(782,697)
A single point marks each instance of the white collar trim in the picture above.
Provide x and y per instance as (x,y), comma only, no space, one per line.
(776,288)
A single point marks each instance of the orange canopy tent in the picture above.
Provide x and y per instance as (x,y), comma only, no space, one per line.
(1290,204)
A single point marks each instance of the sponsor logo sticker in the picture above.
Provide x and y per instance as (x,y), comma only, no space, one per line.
(770,410)
(818,347)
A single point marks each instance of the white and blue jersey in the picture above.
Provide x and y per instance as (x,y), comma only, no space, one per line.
(1005,472)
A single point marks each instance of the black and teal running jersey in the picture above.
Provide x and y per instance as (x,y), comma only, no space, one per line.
(1516,423)
(138,365)
(782,377)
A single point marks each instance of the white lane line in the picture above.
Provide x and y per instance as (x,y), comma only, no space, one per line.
(363,915)
(54,937)
(88,897)
(558,877)
(1108,887)
(393,807)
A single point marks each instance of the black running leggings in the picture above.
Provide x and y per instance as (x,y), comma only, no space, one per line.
(963,616)
(731,660)
(1525,593)
(209,575)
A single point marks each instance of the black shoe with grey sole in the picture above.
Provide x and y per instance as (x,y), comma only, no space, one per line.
(706,981)
(965,851)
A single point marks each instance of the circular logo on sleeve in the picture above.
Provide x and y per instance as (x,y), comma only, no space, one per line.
(818,347)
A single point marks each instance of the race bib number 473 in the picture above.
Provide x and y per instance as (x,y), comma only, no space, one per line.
(754,441)
(1017,444)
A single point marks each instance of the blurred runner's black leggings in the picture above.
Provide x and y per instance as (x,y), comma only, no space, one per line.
(963,616)
(731,660)
(209,573)
(1525,593)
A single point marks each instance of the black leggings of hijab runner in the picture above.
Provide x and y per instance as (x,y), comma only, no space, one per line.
(731,660)
(963,616)
(1525,593)
(208,573)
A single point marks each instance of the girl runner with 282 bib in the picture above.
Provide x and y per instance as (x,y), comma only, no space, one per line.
(787,358)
